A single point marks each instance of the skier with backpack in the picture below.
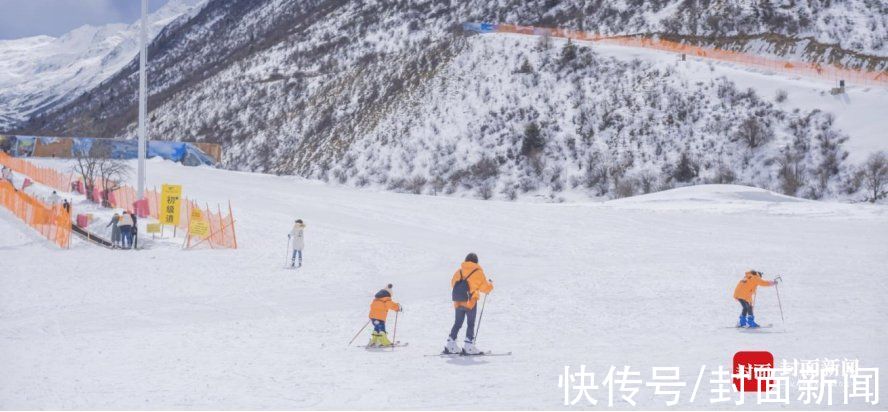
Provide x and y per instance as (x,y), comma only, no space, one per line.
(745,292)
(467,283)
(380,306)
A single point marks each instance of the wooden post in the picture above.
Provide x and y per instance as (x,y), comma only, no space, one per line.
(231,219)
(221,225)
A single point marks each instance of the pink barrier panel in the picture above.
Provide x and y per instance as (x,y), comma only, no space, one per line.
(141,208)
(82,220)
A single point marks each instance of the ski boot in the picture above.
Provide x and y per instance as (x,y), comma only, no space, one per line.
(750,321)
(451,347)
(382,340)
(742,323)
(469,348)
(374,340)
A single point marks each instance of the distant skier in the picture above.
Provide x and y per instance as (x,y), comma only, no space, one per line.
(54,198)
(379,308)
(297,243)
(467,283)
(744,293)
(6,174)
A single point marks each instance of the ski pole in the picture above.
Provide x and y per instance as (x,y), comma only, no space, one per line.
(287,253)
(780,305)
(359,332)
(480,317)
(395,332)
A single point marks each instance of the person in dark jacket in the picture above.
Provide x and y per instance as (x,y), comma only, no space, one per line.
(135,238)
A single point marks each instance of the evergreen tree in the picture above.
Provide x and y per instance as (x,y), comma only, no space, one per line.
(533,140)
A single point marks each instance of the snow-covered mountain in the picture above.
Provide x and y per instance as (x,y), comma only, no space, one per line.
(395,95)
(40,72)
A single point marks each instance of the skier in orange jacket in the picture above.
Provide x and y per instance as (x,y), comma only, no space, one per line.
(467,283)
(380,306)
(744,293)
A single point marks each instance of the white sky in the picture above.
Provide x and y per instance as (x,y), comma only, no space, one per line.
(25,18)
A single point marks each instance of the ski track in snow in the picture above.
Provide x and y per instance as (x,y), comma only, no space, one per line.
(645,281)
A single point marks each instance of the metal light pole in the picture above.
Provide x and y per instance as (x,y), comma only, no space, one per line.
(143,100)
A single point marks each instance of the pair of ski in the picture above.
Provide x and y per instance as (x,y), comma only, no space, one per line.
(765,326)
(464,354)
(442,354)
(397,344)
(753,330)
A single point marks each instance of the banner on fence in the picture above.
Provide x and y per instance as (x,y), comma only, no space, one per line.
(198,226)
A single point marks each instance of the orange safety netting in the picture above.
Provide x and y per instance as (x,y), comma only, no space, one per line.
(221,232)
(824,71)
(44,175)
(52,222)
(221,226)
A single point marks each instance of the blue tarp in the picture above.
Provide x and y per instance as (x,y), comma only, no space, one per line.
(183,152)
(480,27)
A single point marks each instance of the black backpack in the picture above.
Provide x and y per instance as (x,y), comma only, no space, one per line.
(461,288)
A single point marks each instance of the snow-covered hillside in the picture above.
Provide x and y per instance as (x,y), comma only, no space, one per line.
(396,96)
(41,72)
(642,282)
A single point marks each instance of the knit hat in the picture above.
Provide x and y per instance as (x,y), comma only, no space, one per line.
(385,292)
(471,257)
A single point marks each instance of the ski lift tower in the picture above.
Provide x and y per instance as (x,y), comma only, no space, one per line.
(143,101)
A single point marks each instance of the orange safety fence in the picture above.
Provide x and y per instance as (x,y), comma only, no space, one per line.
(44,175)
(221,232)
(52,222)
(800,68)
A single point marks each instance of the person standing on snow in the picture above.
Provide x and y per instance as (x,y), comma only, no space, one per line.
(297,243)
(126,230)
(379,308)
(115,230)
(467,283)
(54,198)
(7,175)
(134,237)
(745,292)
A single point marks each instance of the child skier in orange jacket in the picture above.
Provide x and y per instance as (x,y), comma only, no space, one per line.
(379,308)
(744,293)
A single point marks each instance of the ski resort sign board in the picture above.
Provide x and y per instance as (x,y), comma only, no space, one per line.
(171,196)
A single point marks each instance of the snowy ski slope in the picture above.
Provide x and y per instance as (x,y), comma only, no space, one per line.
(645,281)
